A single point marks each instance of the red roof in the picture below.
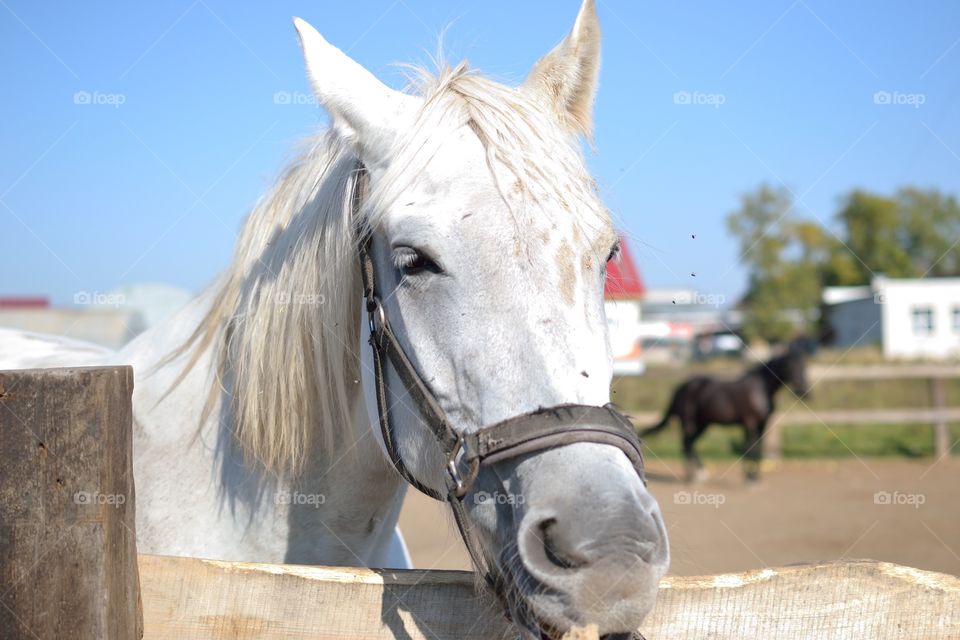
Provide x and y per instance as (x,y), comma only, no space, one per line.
(623,279)
(24,302)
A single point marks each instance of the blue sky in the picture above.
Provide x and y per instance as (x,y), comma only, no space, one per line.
(93,196)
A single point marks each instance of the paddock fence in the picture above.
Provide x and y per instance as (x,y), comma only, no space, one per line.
(69,566)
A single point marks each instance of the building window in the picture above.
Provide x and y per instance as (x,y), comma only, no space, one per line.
(923,321)
(955,319)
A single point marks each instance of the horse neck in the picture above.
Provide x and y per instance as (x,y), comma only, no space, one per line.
(174,448)
(172,388)
(166,377)
(770,373)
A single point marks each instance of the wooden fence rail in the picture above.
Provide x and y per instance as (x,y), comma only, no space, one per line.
(69,569)
(208,600)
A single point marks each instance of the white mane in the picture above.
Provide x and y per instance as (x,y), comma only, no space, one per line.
(285,318)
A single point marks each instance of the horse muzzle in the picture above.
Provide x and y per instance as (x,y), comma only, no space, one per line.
(591,542)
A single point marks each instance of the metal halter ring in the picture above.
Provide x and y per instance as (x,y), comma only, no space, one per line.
(375,312)
(460,485)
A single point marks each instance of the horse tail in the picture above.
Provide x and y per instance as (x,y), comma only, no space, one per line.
(671,411)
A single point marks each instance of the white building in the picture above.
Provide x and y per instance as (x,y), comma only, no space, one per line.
(680,324)
(108,319)
(623,290)
(911,318)
(153,302)
(624,327)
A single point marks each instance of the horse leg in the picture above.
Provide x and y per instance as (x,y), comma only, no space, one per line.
(753,452)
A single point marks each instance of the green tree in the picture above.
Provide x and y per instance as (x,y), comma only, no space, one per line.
(784,258)
(930,229)
(873,237)
(807,264)
(912,234)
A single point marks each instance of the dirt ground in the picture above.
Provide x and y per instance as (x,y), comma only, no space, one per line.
(902,511)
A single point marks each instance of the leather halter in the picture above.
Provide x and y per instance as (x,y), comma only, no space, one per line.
(465,454)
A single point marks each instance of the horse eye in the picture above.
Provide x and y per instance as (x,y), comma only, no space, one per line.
(413,262)
(614,252)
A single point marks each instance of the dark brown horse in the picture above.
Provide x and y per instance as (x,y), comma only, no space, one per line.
(747,401)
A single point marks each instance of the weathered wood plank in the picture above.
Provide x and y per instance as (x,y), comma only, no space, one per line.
(843,416)
(941,430)
(207,600)
(772,442)
(872,416)
(881,371)
(68,564)
(857,600)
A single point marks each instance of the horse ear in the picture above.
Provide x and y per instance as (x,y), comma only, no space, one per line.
(363,109)
(566,78)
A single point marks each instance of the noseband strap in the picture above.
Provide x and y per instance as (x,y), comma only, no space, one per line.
(545,428)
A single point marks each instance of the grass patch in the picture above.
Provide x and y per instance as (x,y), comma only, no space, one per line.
(811,441)
(868,440)
(718,443)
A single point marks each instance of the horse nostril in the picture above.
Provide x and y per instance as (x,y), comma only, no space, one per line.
(554,546)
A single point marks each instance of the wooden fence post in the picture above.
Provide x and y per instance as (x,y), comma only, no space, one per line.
(941,430)
(773,438)
(68,561)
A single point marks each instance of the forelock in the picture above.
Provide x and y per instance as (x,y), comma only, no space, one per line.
(527,150)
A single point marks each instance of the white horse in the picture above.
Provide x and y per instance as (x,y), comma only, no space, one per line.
(254,405)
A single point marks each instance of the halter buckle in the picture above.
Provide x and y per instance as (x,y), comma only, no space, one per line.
(375,313)
(460,485)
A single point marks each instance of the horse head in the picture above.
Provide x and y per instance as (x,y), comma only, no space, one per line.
(795,365)
(489,244)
